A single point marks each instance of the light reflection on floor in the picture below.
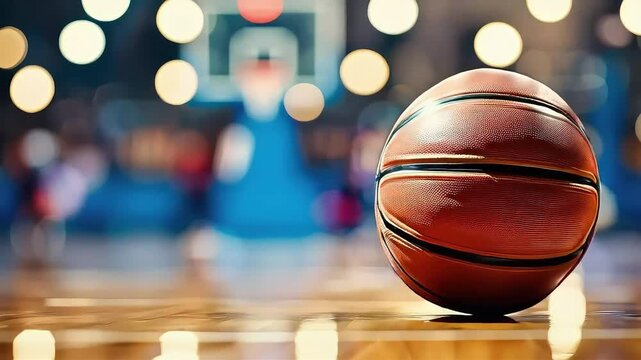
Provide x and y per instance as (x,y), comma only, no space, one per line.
(315,299)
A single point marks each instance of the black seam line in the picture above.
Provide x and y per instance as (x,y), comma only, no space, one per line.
(497,169)
(476,258)
(400,267)
(487,96)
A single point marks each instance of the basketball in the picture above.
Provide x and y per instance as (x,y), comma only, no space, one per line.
(487,192)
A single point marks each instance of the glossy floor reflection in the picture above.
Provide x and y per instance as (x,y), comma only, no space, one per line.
(309,299)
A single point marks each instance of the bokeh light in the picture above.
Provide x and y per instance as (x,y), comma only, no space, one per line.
(13,47)
(317,339)
(82,42)
(549,11)
(180,21)
(304,102)
(176,82)
(32,89)
(234,153)
(498,44)
(630,13)
(392,17)
(608,208)
(364,72)
(637,127)
(611,31)
(260,11)
(34,344)
(105,10)
(567,310)
(178,345)
(39,148)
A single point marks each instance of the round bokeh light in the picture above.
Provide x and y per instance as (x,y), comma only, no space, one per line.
(82,42)
(13,47)
(392,17)
(630,13)
(498,44)
(364,72)
(304,102)
(32,89)
(549,11)
(105,10)
(180,21)
(176,82)
(260,11)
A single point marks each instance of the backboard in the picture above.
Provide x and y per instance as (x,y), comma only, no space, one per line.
(309,36)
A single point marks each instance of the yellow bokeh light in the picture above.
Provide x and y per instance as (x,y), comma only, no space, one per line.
(317,339)
(637,127)
(176,82)
(392,17)
(498,44)
(178,345)
(567,310)
(631,15)
(34,344)
(364,72)
(549,11)
(180,21)
(304,102)
(82,42)
(32,89)
(105,10)
(13,47)
(564,341)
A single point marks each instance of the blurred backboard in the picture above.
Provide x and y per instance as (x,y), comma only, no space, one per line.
(308,36)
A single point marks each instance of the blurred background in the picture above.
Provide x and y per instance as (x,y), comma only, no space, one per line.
(265,119)
(137,134)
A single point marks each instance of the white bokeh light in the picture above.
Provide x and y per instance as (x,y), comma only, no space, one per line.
(234,153)
(304,102)
(180,21)
(39,148)
(630,13)
(105,10)
(32,89)
(392,17)
(364,72)
(82,42)
(34,344)
(178,345)
(498,44)
(176,82)
(549,11)
(317,339)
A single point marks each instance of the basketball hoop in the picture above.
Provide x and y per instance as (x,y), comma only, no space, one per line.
(262,83)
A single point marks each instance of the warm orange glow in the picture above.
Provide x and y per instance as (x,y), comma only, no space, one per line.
(260,11)
(13,47)
(304,102)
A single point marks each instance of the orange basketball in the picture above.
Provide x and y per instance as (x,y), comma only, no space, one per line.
(487,192)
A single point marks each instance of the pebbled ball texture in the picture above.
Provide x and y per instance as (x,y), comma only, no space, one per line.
(487,192)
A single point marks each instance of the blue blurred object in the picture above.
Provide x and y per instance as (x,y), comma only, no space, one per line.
(126,203)
(8,199)
(610,121)
(274,198)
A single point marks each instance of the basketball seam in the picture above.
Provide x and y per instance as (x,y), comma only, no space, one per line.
(499,169)
(485,96)
(401,269)
(476,258)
